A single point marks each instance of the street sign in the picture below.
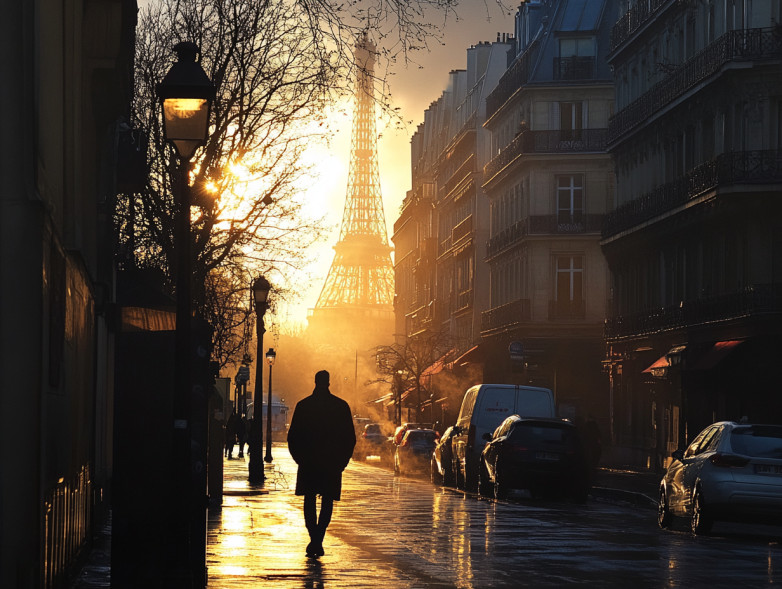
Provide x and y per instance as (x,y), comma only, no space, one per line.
(516,351)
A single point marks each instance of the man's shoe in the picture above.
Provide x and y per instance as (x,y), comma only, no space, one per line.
(312,550)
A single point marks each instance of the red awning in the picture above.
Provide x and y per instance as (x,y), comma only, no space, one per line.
(661,362)
(474,354)
(716,354)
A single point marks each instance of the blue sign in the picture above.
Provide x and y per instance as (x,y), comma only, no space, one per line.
(516,351)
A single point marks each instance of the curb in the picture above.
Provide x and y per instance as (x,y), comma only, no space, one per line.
(623,496)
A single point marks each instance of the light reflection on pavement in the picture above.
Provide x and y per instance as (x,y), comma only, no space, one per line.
(403,532)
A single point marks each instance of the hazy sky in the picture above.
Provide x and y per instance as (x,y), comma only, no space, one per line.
(413,89)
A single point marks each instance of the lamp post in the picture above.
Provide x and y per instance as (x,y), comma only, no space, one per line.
(185,95)
(271,356)
(261,288)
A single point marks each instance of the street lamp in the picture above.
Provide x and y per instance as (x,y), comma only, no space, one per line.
(261,288)
(271,356)
(185,95)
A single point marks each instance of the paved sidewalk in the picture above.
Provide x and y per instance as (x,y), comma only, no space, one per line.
(258,537)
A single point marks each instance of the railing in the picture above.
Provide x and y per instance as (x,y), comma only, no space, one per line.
(445,245)
(741,45)
(753,300)
(543,225)
(556,141)
(506,315)
(641,12)
(463,229)
(463,300)
(461,175)
(566,310)
(574,68)
(728,168)
(514,78)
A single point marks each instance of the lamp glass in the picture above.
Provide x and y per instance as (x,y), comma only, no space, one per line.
(186,123)
(271,356)
(261,291)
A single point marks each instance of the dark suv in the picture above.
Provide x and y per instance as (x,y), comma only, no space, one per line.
(543,456)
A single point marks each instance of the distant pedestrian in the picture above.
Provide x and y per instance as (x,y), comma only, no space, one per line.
(321,439)
(230,435)
(241,429)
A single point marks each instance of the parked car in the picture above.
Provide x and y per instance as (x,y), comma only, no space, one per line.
(442,467)
(371,442)
(483,408)
(414,453)
(400,431)
(544,456)
(730,471)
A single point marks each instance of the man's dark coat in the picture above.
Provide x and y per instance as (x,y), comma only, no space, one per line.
(321,440)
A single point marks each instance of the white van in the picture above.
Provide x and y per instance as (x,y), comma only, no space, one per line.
(484,408)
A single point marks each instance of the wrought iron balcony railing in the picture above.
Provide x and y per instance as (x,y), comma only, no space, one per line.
(543,225)
(756,300)
(641,12)
(760,166)
(506,315)
(574,68)
(556,141)
(741,45)
(463,300)
(514,78)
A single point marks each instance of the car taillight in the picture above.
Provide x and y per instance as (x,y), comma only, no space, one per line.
(728,460)
(404,443)
(517,448)
(364,434)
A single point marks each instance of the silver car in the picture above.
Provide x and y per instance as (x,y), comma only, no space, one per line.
(730,471)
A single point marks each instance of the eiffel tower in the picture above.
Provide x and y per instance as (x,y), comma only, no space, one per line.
(356,305)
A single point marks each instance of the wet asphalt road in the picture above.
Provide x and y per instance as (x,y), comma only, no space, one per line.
(403,532)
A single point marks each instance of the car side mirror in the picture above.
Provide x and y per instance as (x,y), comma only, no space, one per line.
(677,454)
(487,437)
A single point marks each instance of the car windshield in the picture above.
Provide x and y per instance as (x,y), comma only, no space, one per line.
(373,429)
(420,437)
(757,441)
(542,434)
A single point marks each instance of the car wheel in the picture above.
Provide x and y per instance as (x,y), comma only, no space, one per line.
(500,488)
(436,477)
(664,516)
(700,522)
(484,484)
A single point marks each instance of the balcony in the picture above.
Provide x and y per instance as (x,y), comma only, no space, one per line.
(462,230)
(574,68)
(566,310)
(463,300)
(741,45)
(760,166)
(543,225)
(506,316)
(540,142)
(514,78)
(632,20)
(753,301)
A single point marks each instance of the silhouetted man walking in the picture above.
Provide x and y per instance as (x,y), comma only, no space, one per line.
(321,440)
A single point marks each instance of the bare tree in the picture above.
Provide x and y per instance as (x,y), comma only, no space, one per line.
(404,364)
(276,66)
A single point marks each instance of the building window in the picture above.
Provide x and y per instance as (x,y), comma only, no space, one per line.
(570,199)
(570,270)
(568,300)
(571,119)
